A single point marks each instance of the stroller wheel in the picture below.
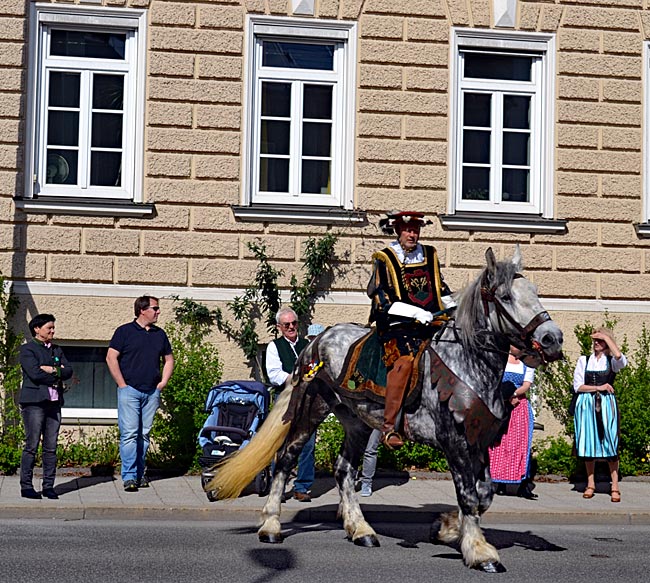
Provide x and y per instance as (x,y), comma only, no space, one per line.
(263,482)
(212,495)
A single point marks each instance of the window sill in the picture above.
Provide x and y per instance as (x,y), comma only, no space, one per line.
(503,223)
(308,215)
(85,206)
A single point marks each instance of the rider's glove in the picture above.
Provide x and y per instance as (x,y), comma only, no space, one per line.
(448,302)
(409,311)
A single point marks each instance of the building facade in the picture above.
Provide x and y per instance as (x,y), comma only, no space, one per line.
(144,144)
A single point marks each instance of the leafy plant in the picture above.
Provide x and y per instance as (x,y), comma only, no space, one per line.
(197,369)
(261,299)
(11,429)
(554,455)
(78,448)
(328,443)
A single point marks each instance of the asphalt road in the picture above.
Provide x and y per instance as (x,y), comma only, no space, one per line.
(136,551)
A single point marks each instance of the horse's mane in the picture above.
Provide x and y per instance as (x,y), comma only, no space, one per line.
(470,316)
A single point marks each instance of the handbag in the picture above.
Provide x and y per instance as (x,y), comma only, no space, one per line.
(572,404)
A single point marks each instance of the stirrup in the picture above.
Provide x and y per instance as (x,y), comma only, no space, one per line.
(387,435)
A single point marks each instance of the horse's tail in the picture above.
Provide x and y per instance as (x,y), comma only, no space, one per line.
(239,470)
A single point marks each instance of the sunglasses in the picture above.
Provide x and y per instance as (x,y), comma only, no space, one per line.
(287,325)
(154,308)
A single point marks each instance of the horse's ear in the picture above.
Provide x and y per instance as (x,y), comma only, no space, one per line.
(516,258)
(491,260)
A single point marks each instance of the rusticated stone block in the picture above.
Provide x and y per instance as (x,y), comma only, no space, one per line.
(380,76)
(402,151)
(599,65)
(578,88)
(196,191)
(224,117)
(578,233)
(370,125)
(422,176)
(277,247)
(221,219)
(427,29)
(599,161)
(411,8)
(566,285)
(221,17)
(622,43)
(403,102)
(571,39)
(169,165)
(12,54)
(623,235)
(579,183)
(622,139)
(21,266)
(183,140)
(151,270)
(220,67)
(196,90)
(403,53)
(622,90)
(378,175)
(625,286)
(429,79)
(171,64)
(615,209)
(167,217)
(196,41)
(219,167)
(622,186)
(222,273)
(45,238)
(390,27)
(191,244)
(577,136)
(600,18)
(425,127)
(598,259)
(173,13)
(170,114)
(82,268)
(112,241)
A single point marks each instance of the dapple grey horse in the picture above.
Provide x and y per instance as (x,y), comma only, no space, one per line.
(459,408)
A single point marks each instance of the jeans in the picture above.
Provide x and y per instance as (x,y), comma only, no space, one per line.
(306,463)
(135,413)
(40,419)
(370,457)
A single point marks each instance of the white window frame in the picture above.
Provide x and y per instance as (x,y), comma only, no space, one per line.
(133,22)
(542,91)
(643,229)
(343,35)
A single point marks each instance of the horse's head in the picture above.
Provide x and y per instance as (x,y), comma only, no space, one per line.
(507,303)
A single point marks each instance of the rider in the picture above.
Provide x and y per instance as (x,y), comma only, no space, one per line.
(408,295)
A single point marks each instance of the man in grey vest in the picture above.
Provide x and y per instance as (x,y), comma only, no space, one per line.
(281,355)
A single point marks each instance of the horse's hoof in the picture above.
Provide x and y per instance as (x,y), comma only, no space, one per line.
(491,567)
(269,537)
(368,540)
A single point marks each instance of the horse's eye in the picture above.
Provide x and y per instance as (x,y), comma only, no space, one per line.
(506,298)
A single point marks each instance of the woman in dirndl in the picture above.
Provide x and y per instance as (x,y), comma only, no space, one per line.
(596,416)
(510,459)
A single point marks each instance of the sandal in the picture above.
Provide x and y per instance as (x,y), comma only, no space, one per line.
(589,492)
(616,496)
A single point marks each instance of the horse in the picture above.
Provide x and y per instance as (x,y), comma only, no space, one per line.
(459,408)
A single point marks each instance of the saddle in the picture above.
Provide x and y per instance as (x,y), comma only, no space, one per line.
(364,370)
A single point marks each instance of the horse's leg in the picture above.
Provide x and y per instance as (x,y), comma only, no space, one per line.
(357,434)
(313,412)
(464,527)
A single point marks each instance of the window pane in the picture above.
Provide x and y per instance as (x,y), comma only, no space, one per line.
(108,91)
(317,102)
(276,99)
(85,44)
(488,66)
(476,183)
(91,385)
(107,130)
(297,55)
(275,137)
(476,147)
(61,167)
(316,139)
(106,169)
(64,89)
(515,185)
(316,177)
(516,112)
(515,149)
(274,175)
(63,128)
(477,110)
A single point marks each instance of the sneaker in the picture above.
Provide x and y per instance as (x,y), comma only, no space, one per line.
(130,486)
(143,482)
(366,490)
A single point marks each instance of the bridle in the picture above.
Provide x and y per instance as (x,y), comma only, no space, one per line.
(523,338)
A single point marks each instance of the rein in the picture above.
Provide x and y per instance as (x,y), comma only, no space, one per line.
(523,340)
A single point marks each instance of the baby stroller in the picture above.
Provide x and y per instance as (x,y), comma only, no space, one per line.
(236,410)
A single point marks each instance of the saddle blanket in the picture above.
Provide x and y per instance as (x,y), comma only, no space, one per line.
(364,371)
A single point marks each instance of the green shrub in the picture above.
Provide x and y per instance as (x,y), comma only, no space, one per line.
(328,443)
(11,429)
(78,448)
(554,455)
(197,369)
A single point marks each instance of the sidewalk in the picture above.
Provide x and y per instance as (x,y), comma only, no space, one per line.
(396,498)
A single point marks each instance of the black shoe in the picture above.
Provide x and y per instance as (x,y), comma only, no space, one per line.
(50,493)
(143,482)
(130,486)
(501,490)
(526,493)
(31,494)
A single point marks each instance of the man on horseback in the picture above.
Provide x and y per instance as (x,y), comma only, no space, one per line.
(409,295)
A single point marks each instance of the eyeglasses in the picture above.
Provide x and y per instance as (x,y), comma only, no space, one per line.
(154,308)
(287,325)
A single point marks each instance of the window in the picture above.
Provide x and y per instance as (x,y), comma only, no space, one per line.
(86,103)
(92,393)
(300,113)
(501,123)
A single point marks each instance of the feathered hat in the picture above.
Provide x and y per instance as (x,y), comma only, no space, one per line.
(393,218)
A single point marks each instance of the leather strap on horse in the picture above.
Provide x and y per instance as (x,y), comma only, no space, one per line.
(488,295)
(480,424)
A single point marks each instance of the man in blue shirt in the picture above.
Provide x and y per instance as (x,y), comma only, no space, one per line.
(135,355)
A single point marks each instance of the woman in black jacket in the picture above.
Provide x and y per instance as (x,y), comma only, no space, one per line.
(45,367)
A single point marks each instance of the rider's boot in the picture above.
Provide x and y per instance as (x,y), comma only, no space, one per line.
(396,382)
